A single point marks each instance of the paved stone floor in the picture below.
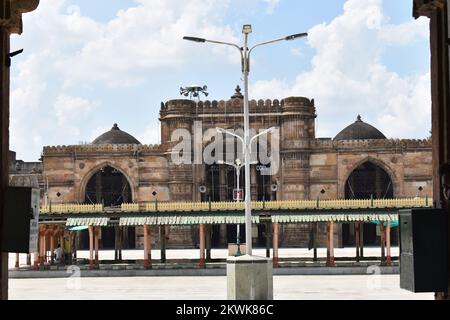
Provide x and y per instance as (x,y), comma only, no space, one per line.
(217,253)
(210,288)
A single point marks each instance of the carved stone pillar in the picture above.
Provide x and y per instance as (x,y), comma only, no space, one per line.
(10,22)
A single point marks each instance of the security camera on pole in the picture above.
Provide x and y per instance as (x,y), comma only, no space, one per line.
(249,277)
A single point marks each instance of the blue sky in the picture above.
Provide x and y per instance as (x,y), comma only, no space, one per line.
(88,64)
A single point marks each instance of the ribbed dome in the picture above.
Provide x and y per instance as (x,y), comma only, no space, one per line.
(360,131)
(116,136)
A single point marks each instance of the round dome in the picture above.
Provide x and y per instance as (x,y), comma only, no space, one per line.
(360,131)
(116,136)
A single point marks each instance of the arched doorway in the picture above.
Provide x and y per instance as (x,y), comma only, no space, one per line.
(365,182)
(110,187)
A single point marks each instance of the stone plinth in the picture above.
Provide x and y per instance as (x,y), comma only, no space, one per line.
(249,278)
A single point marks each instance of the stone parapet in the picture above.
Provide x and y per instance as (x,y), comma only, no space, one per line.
(106,148)
(399,144)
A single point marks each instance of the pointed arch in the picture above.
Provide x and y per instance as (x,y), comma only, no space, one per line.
(85,180)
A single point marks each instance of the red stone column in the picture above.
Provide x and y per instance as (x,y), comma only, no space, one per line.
(42,246)
(275,245)
(330,247)
(388,244)
(36,261)
(17,263)
(202,245)
(146,242)
(61,241)
(52,247)
(91,247)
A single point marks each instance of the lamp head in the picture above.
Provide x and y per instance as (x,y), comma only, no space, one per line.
(247,29)
(296,36)
(194,39)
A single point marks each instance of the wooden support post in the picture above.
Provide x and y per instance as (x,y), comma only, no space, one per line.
(96,237)
(91,247)
(70,248)
(358,240)
(382,242)
(36,260)
(208,242)
(120,243)
(75,245)
(361,239)
(43,249)
(330,250)
(162,238)
(316,234)
(275,245)
(52,247)
(116,242)
(146,246)
(202,245)
(61,242)
(268,238)
(17,263)
(388,244)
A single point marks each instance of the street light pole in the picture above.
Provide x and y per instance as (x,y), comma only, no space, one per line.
(248,200)
(245,56)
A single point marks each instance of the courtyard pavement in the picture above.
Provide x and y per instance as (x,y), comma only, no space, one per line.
(216,254)
(373,287)
(331,287)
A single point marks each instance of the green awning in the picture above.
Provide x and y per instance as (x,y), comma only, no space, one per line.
(96,222)
(338,218)
(186,219)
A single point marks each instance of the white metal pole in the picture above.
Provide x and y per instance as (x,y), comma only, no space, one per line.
(238,230)
(248,204)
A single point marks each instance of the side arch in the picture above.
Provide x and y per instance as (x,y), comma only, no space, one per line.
(376,162)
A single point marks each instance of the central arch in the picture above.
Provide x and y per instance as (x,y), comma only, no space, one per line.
(109,186)
(368,180)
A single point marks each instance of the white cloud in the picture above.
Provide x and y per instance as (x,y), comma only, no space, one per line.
(68,109)
(66,51)
(271,5)
(348,77)
(151,134)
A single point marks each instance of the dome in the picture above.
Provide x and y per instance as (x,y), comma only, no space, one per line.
(116,136)
(360,131)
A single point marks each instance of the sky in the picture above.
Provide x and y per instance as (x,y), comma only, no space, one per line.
(89,64)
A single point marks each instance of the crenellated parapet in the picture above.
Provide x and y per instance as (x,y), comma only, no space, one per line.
(236,105)
(104,148)
(397,144)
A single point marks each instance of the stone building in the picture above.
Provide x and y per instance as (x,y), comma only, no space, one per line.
(359,163)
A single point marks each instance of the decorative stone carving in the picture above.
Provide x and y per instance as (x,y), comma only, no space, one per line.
(11,17)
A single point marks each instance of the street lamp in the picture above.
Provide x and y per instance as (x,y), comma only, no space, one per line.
(245,58)
(237,165)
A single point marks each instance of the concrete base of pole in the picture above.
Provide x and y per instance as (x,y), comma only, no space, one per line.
(249,278)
